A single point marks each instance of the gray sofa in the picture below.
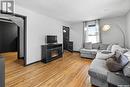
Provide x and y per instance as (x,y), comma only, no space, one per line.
(2,72)
(90,50)
(98,72)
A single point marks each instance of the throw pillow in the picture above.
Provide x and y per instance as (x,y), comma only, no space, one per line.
(95,45)
(88,45)
(127,53)
(117,47)
(117,55)
(123,60)
(103,46)
(109,47)
(123,50)
(113,65)
(118,62)
(103,56)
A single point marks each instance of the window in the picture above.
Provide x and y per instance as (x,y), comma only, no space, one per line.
(92,32)
(7,6)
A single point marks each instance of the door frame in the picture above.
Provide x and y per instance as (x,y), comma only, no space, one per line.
(18,43)
(25,33)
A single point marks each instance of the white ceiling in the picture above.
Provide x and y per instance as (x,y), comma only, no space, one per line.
(77,10)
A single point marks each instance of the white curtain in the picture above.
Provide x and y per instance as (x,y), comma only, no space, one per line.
(91,31)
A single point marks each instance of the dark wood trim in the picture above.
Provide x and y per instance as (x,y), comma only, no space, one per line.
(88,58)
(25,40)
(77,51)
(18,41)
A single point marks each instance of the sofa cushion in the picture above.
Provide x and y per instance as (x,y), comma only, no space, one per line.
(103,56)
(98,69)
(92,51)
(126,70)
(103,46)
(88,55)
(96,45)
(88,45)
(106,51)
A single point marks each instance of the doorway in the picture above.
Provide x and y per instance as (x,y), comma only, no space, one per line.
(8,37)
(9,41)
(20,22)
(66,31)
(67,44)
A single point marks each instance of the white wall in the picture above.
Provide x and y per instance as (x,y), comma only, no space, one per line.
(114,35)
(76,35)
(37,27)
(128,29)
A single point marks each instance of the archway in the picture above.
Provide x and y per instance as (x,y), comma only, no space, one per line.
(19,21)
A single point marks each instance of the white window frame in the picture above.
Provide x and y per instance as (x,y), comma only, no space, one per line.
(97,33)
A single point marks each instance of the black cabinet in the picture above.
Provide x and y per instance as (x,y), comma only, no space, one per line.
(70,46)
(51,52)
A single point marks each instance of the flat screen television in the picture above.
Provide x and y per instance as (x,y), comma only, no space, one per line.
(50,39)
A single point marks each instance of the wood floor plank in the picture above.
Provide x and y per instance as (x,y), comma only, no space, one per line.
(68,71)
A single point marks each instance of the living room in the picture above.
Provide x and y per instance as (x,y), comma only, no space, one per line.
(93,26)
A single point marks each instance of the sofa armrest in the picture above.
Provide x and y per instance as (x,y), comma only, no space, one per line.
(2,72)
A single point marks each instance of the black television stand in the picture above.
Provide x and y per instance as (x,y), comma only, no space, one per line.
(51,52)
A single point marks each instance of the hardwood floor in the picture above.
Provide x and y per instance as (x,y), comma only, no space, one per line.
(69,71)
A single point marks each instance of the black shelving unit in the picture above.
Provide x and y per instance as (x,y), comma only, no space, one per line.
(70,46)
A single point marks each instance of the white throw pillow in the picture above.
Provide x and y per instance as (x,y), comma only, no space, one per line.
(127,53)
(88,45)
(103,56)
(109,47)
(118,48)
(115,48)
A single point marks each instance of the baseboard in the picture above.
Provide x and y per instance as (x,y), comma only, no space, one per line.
(40,60)
(77,51)
(21,58)
(33,63)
